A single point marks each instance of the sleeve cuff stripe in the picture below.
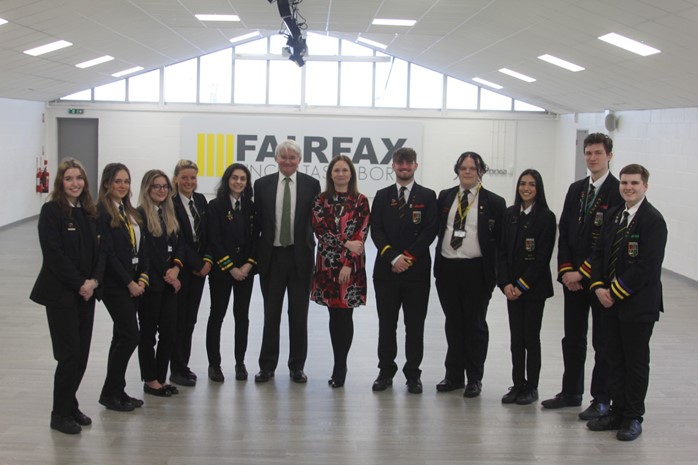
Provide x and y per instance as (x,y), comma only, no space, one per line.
(522,284)
(384,249)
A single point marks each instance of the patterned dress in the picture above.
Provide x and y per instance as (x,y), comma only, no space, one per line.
(338,218)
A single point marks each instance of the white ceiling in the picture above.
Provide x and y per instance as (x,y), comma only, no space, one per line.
(461,38)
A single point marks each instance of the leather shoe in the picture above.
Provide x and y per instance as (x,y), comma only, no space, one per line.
(629,430)
(472,389)
(605,423)
(182,379)
(595,410)
(171,389)
(414,386)
(511,396)
(65,424)
(335,383)
(528,396)
(160,392)
(562,400)
(80,418)
(240,372)
(447,385)
(137,403)
(116,404)
(215,374)
(263,376)
(297,376)
(381,384)
(190,374)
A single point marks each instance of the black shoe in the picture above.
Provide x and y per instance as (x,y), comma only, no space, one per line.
(595,410)
(562,400)
(215,374)
(116,404)
(472,389)
(182,379)
(381,383)
(65,424)
(605,423)
(80,418)
(160,392)
(629,430)
(137,403)
(263,376)
(511,396)
(528,396)
(171,389)
(297,376)
(414,386)
(447,385)
(190,374)
(335,383)
(240,372)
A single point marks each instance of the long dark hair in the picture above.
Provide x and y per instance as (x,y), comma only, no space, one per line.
(108,174)
(223,189)
(58,193)
(540,190)
(352,188)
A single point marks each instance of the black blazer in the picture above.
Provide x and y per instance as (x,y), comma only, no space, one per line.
(232,235)
(489,226)
(410,236)
(193,255)
(525,252)
(579,231)
(304,241)
(164,252)
(120,270)
(637,287)
(67,262)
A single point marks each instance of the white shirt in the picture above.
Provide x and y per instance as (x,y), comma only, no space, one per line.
(293,186)
(408,190)
(632,211)
(134,225)
(185,202)
(471,245)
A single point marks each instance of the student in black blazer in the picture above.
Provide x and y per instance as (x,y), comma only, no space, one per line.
(284,202)
(470,219)
(403,226)
(233,240)
(191,212)
(125,279)
(157,309)
(71,270)
(523,275)
(626,268)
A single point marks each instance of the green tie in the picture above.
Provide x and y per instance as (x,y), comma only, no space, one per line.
(285,232)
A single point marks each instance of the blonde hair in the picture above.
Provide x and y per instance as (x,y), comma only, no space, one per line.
(58,193)
(148,206)
(183,165)
(108,174)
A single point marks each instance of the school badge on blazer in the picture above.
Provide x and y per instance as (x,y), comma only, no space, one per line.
(633,249)
(416,217)
(530,244)
(490,224)
(598,219)
(229,216)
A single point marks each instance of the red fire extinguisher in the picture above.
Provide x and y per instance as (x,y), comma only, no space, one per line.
(44,178)
(38,178)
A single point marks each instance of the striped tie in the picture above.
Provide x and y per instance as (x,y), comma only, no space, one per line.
(459,221)
(615,249)
(401,202)
(197,220)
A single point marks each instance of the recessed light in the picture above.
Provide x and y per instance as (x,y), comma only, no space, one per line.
(394,22)
(244,37)
(487,83)
(561,63)
(372,43)
(629,44)
(95,62)
(53,46)
(516,75)
(217,17)
(128,71)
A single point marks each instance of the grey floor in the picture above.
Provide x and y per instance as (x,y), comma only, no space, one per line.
(286,423)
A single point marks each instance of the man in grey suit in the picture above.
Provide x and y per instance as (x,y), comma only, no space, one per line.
(284,201)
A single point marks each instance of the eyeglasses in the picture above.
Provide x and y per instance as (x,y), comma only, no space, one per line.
(159,187)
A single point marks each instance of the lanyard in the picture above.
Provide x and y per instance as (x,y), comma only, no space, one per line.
(463,214)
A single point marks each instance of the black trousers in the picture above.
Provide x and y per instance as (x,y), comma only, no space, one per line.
(341,334)
(464,297)
(413,297)
(628,355)
(157,314)
(71,335)
(281,278)
(525,320)
(125,337)
(574,346)
(188,300)
(220,289)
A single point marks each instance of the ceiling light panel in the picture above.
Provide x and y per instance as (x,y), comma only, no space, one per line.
(516,75)
(244,37)
(629,44)
(487,83)
(128,71)
(561,63)
(229,18)
(95,62)
(53,46)
(372,43)
(3,21)
(394,22)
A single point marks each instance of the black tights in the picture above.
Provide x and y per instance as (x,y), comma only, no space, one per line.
(341,334)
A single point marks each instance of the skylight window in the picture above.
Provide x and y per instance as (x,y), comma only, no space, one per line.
(95,62)
(517,75)
(394,22)
(128,71)
(561,63)
(372,43)
(52,47)
(228,18)
(629,44)
(487,83)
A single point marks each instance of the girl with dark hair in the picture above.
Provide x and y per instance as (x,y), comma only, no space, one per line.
(528,239)
(71,270)
(233,242)
(340,222)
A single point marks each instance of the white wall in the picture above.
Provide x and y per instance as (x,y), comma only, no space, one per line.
(21,142)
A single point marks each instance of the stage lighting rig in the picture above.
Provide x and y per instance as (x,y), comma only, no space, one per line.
(296,47)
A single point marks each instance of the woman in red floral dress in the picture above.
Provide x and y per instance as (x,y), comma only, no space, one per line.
(340,221)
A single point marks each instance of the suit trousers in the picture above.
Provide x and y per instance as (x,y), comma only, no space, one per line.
(341,334)
(281,278)
(413,297)
(574,346)
(125,337)
(525,320)
(157,314)
(464,297)
(188,301)
(71,335)
(221,289)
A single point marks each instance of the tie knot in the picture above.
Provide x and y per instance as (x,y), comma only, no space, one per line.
(121,209)
(287,179)
(403,189)
(191,202)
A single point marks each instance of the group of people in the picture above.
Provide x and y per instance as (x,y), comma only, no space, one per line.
(148,266)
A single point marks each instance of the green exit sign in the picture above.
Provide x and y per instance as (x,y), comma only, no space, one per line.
(75,111)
